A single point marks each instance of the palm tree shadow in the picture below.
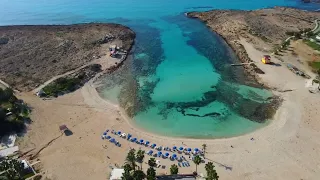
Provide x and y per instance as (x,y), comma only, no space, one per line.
(220,164)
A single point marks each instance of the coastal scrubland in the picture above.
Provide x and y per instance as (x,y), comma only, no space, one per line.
(13,113)
(264,28)
(30,55)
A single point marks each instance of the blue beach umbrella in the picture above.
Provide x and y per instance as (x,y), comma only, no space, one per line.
(147,142)
(150,152)
(112,140)
(174,148)
(189,149)
(119,132)
(129,136)
(153,145)
(141,141)
(133,139)
(166,154)
(180,148)
(105,133)
(174,156)
(159,153)
(196,149)
(108,137)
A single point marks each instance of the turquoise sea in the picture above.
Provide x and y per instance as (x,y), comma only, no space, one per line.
(177,81)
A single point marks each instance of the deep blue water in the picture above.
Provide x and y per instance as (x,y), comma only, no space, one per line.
(177,82)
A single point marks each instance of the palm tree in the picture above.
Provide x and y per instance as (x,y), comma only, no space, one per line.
(174,169)
(151,174)
(13,168)
(204,147)
(140,157)
(131,159)
(152,162)
(138,175)
(211,172)
(197,160)
(126,174)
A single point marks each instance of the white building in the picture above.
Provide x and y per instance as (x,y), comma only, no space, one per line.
(8,151)
(116,174)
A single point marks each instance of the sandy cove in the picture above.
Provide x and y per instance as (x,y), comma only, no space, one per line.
(285,149)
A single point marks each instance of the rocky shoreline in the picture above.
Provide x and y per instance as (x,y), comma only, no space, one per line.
(265,28)
(31,55)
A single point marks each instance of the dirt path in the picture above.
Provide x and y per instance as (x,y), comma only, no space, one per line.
(57,77)
(3,85)
(105,62)
(316,29)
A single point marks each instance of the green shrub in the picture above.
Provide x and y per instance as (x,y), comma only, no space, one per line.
(19,112)
(60,34)
(309,34)
(290,33)
(62,85)
(313,45)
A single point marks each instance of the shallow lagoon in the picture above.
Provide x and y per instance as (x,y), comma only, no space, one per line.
(178,81)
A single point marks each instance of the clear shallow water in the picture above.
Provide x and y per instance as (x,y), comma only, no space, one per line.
(178,82)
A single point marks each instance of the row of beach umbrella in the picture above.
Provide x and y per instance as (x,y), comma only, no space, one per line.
(166,154)
(147,143)
(112,140)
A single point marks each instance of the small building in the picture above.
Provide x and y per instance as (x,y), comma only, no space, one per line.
(116,174)
(8,151)
(266,59)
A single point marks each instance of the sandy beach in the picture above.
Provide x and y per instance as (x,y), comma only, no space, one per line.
(285,149)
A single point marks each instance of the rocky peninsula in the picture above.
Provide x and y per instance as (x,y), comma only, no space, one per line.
(264,28)
(31,55)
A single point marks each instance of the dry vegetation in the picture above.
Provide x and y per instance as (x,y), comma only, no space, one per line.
(270,25)
(265,28)
(30,55)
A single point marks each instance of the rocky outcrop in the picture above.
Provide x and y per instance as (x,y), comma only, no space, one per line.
(30,55)
(264,28)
